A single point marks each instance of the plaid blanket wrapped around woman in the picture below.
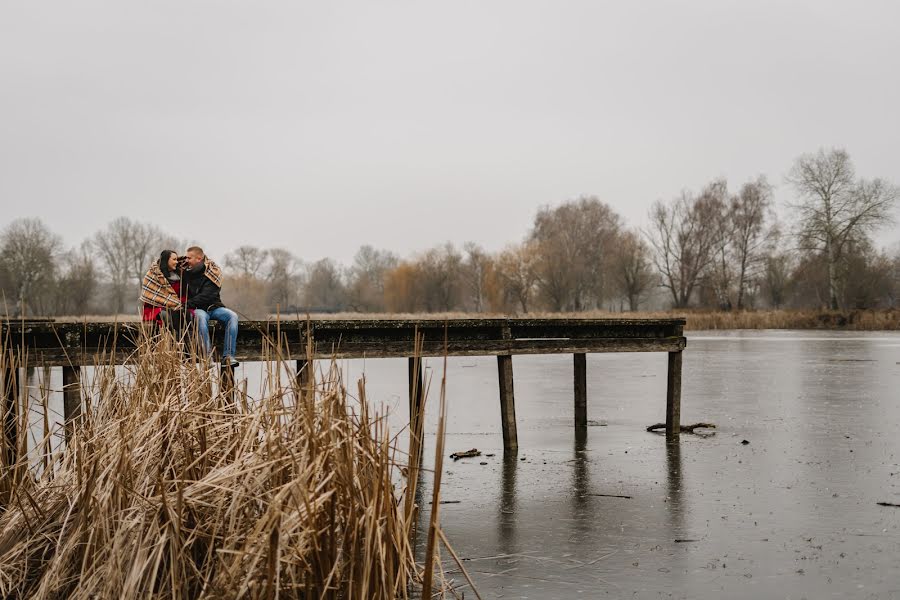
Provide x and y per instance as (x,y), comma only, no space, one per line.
(156,290)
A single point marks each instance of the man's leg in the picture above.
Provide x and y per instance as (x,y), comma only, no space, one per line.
(229,319)
(201,318)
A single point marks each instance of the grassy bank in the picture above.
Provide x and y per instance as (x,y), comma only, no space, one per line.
(859,320)
(697,320)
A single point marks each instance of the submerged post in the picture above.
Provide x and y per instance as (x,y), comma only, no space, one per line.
(673,395)
(507,404)
(580,391)
(71,398)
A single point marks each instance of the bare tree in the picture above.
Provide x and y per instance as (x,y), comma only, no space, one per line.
(439,269)
(476,269)
(684,235)
(718,214)
(126,248)
(284,278)
(576,243)
(245,260)
(634,270)
(28,252)
(516,273)
(324,289)
(365,287)
(776,277)
(834,208)
(76,282)
(749,210)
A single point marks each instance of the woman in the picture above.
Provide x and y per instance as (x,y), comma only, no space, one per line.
(161,292)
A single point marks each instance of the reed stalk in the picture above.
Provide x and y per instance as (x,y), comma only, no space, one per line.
(177,484)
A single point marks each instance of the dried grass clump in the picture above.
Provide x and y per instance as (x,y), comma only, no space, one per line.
(170,489)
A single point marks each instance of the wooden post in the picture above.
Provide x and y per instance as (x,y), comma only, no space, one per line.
(10,412)
(507,404)
(416,390)
(673,395)
(304,370)
(71,398)
(580,391)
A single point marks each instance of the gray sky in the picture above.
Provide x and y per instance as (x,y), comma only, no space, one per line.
(321,126)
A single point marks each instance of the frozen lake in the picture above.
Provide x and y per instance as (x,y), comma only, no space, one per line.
(791,514)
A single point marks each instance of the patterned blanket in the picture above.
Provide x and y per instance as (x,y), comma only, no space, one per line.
(214,273)
(156,289)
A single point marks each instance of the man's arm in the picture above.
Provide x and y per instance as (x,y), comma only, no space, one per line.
(207,295)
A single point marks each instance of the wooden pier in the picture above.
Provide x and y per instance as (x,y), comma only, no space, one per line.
(75,345)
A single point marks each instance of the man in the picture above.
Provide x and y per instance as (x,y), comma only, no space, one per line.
(203,279)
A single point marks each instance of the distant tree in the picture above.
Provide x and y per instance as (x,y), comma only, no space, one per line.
(634,273)
(516,274)
(28,253)
(247,260)
(476,271)
(835,208)
(575,249)
(684,235)
(749,234)
(283,277)
(868,277)
(365,286)
(324,287)
(125,249)
(402,288)
(77,281)
(776,277)
(247,295)
(439,270)
(720,275)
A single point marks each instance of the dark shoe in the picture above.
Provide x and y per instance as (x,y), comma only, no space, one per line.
(229,361)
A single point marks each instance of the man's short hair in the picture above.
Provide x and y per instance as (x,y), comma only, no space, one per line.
(196,250)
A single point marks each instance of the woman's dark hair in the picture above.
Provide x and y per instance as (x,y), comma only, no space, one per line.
(164,262)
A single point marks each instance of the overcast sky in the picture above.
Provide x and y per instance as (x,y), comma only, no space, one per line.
(322,126)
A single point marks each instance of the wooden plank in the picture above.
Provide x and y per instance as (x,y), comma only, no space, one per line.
(673,395)
(71,398)
(580,364)
(248,353)
(507,405)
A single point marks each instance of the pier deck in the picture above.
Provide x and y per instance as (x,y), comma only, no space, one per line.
(72,345)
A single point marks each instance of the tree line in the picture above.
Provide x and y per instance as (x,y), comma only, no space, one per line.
(716,248)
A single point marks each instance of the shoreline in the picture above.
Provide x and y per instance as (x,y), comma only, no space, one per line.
(697,320)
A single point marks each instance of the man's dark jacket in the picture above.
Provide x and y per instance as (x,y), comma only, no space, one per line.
(201,292)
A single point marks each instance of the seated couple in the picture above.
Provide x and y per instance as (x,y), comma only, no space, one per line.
(177,291)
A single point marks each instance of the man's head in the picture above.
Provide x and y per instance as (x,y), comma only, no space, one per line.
(195,256)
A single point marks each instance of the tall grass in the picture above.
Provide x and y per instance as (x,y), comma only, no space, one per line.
(176,485)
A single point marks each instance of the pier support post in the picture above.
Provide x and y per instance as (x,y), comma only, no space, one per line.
(673,395)
(416,390)
(10,413)
(580,391)
(71,398)
(507,404)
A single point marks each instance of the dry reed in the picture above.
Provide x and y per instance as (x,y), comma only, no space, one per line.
(177,485)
